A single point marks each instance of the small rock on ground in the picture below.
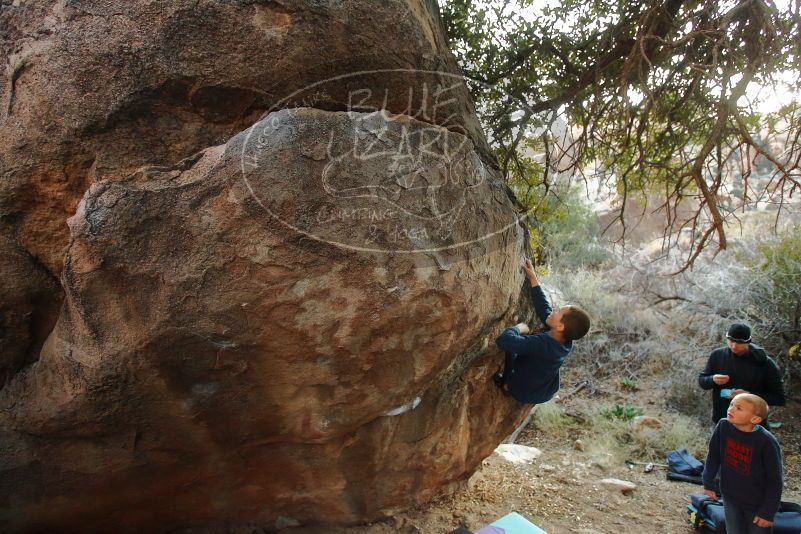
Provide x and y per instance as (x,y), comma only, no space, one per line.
(623,486)
(518,454)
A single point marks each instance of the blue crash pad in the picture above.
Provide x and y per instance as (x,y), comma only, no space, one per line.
(513,523)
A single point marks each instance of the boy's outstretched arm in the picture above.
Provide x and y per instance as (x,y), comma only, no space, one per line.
(541,305)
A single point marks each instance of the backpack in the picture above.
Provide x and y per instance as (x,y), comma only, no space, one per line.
(706,512)
(684,466)
(682,462)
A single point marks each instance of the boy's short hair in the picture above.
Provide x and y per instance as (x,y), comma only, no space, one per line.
(757,402)
(577,323)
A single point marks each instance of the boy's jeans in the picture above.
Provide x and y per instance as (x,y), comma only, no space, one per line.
(741,521)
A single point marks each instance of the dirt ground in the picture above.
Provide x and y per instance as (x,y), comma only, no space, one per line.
(560,491)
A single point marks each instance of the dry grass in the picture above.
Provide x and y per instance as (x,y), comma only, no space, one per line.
(611,439)
(637,337)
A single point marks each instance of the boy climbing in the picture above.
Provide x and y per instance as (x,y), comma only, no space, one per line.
(531,367)
(748,458)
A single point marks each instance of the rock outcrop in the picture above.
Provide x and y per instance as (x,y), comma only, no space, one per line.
(92,90)
(287,256)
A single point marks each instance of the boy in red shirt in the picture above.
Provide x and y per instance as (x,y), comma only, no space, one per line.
(749,460)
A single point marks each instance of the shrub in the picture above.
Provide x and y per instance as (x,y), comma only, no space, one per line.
(649,322)
(626,412)
(780,298)
(551,418)
(628,384)
(611,439)
(682,393)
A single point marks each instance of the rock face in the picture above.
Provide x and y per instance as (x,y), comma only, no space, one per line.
(92,90)
(257,320)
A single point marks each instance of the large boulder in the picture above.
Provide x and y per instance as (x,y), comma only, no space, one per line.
(226,353)
(92,90)
(290,323)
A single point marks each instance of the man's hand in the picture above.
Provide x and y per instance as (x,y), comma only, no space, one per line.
(528,268)
(710,493)
(720,379)
(758,521)
(523,328)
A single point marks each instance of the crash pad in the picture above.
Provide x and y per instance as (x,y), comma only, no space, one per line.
(512,523)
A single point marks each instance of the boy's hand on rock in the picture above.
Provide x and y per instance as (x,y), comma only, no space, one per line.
(710,493)
(720,379)
(758,521)
(523,328)
(528,268)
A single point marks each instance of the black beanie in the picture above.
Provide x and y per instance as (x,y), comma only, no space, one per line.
(739,333)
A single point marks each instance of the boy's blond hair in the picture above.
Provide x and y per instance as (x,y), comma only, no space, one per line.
(757,402)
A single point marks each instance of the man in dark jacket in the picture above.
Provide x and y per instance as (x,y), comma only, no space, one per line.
(740,367)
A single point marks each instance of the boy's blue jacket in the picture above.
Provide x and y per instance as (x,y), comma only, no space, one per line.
(534,376)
